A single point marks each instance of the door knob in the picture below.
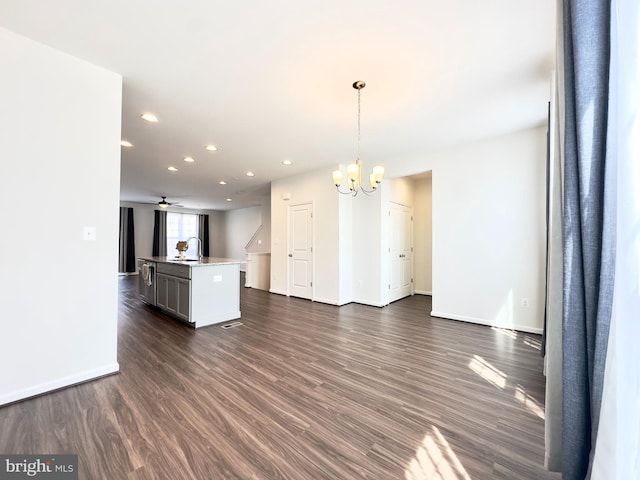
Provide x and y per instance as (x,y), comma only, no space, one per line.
(290,255)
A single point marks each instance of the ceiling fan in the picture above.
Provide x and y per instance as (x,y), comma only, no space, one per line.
(164,204)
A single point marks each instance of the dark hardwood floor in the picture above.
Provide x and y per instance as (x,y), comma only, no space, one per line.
(300,391)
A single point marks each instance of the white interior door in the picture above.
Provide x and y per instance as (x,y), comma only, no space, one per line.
(301,250)
(400,251)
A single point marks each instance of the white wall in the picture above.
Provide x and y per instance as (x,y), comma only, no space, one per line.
(313,187)
(143,228)
(367,255)
(346,264)
(241,225)
(422,242)
(60,154)
(488,231)
(351,237)
(487,221)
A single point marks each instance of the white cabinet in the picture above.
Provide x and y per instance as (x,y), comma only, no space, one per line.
(258,271)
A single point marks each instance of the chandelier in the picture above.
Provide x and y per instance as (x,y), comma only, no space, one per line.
(354,170)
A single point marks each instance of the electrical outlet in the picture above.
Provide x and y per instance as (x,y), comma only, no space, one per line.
(524,302)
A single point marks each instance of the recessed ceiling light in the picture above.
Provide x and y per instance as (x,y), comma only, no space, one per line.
(250,174)
(125,143)
(189,159)
(286,162)
(211,148)
(222,182)
(229,200)
(149,117)
(172,169)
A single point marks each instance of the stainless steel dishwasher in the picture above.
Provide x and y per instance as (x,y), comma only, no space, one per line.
(147,281)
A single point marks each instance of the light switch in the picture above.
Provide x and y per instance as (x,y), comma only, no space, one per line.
(89,233)
(217,278)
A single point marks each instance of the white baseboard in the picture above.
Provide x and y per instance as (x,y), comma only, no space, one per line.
(328,302)
(369,304)
(422,292)
(482,321)
(59,383)
(278,292)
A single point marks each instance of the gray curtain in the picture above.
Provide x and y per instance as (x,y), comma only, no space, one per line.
(127,251)
(588,228)
(203,233)
(159,234)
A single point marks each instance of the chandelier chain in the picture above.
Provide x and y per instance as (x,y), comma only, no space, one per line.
(358,157)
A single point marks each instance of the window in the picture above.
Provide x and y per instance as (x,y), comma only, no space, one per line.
(181,226)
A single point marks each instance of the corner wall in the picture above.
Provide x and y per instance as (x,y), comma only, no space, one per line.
(489,231)
(59,145)
(331,273)
(422,236)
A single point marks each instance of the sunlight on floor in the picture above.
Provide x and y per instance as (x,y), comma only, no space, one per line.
(532,342)
(494,376)
(487,371)
(529,402)
(505,331)
(435,460)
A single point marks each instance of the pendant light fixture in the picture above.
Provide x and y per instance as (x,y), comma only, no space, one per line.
(354,170)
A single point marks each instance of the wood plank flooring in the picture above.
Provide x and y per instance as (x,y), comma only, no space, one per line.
(300,391)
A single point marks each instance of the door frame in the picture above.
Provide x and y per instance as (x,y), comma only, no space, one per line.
(290,207)
(387,267)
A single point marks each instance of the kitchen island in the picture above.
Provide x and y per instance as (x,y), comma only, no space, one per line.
(198,292)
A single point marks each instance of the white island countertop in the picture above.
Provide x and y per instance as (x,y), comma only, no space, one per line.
(194,262)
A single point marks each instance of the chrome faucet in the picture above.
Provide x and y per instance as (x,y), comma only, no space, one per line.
(199,246)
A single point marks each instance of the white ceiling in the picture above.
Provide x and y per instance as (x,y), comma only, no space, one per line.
(271,80)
